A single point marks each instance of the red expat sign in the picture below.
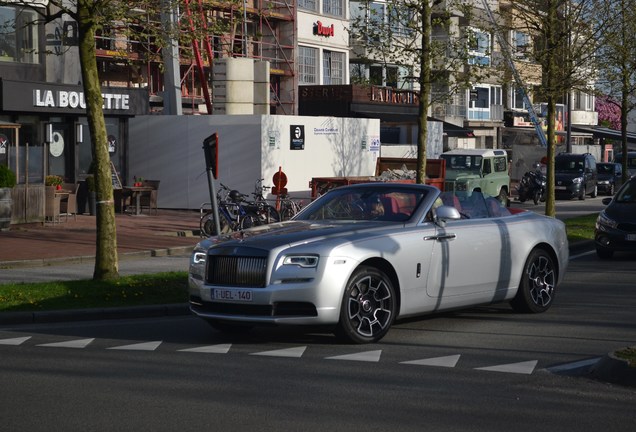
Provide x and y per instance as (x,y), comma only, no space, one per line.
(322,30)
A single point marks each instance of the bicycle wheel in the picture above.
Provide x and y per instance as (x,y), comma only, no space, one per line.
(269,214)
(207,227)
(287,211)
(248,221)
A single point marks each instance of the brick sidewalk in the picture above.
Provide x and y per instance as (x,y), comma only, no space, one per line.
(76,238)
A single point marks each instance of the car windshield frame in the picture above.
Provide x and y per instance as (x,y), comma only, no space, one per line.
(606,168)
(382,203)
(627,194)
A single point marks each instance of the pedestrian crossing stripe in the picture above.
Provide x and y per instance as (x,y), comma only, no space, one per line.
(144,346)
(210,349)
(447,361)
(296,352)
(14,341)
(367,356)
(526,367)
(77,343)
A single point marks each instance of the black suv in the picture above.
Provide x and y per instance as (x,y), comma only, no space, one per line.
(610,177)
(575,175)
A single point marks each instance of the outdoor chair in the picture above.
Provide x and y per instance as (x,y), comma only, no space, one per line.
(51,205)
(68,206)
(149,199)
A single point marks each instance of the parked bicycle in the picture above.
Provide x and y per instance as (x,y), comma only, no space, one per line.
(234,215)
(237,212)
(288,207)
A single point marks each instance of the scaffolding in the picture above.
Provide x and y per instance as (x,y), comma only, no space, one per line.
(257,29)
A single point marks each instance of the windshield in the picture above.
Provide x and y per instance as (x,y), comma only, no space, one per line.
(605,168)
(627,193)
(466,163)
(383,204)
(569,165)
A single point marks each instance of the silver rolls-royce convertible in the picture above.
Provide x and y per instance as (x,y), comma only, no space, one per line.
(360,257)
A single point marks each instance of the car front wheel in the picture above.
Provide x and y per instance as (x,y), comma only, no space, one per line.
(368,307)
(538,283)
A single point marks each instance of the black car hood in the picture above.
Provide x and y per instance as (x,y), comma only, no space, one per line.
(622,211)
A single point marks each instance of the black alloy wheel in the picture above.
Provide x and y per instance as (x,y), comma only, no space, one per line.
(368,307)
(538,284)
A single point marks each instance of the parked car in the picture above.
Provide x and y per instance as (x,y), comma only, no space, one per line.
(361,256)
(631,162)
(610,177)
(616,224)
(481,170)
(575,175)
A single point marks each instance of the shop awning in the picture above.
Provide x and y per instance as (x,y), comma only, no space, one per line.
(606,133)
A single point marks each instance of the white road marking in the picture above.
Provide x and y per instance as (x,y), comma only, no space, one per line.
(77,343)
(367,356)
(447,361)
(14,341)
(573,257)
(145,346)
(575,365)
(211,349)
(526,367)
(296,352)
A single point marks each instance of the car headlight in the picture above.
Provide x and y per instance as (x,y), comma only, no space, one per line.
(577,180)
(605,221)
(306,261)
(198,260)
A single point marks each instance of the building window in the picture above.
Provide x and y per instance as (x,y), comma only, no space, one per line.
(479,47)
(518,101)
(310,5)
(307,65)
(333,67)
(520,45)
(18,35)
(332,7)
(482,97)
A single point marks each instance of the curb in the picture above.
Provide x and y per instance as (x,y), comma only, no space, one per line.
(177,309)
(172,251)
(614,370)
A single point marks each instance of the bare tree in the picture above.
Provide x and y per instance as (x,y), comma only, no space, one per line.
(564,45)
(421,36)
(92,15)
(616,60)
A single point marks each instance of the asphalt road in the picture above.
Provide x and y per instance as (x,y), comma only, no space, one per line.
(483,369)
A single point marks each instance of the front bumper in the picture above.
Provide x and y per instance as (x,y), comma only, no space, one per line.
(615,240)
(570,191)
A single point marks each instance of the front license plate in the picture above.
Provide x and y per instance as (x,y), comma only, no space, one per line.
(560,187)
(631,237)
(232,295)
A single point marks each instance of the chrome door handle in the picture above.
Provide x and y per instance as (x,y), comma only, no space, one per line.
(441,237)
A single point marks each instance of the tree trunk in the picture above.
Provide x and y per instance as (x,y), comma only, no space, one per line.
(551,77)
(106,261)
(425,89)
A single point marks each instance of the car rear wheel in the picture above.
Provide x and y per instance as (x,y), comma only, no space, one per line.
(368,307)
(538,282)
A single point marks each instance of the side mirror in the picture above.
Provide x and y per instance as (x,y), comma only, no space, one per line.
(446,213)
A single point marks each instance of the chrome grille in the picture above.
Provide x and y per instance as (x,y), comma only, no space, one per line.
(237,271)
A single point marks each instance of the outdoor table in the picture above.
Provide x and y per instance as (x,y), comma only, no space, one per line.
(135,193)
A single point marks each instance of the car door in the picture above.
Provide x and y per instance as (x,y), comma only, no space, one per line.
(470,260)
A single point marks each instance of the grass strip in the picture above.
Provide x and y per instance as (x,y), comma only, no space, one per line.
(138,290)
(581,227)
